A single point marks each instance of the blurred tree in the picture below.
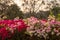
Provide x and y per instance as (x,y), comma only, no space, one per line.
(37,8)
(9,10)
(58,17)
(36,5)
(14,11)
(56,12)
(31,7)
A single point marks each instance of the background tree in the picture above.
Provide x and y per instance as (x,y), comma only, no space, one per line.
(9,10)
(37,7)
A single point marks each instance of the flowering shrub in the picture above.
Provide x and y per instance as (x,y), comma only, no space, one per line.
(32,27)
(47,29)
(9,27)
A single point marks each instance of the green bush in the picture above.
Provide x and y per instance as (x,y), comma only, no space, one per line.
(10,11)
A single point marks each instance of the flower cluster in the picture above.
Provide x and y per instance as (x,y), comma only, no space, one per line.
(32,26)
(8,27)
(43,28)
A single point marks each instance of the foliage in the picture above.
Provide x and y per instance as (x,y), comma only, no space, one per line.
(13,12)
(9,11)
(55,12)
(58,17)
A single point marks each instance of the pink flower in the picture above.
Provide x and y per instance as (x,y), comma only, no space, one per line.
(8,27)
(58,22)
(52,22)
(20,25)
(43,21)
(48,29)
(55,30)
(3,33)
(32,20)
